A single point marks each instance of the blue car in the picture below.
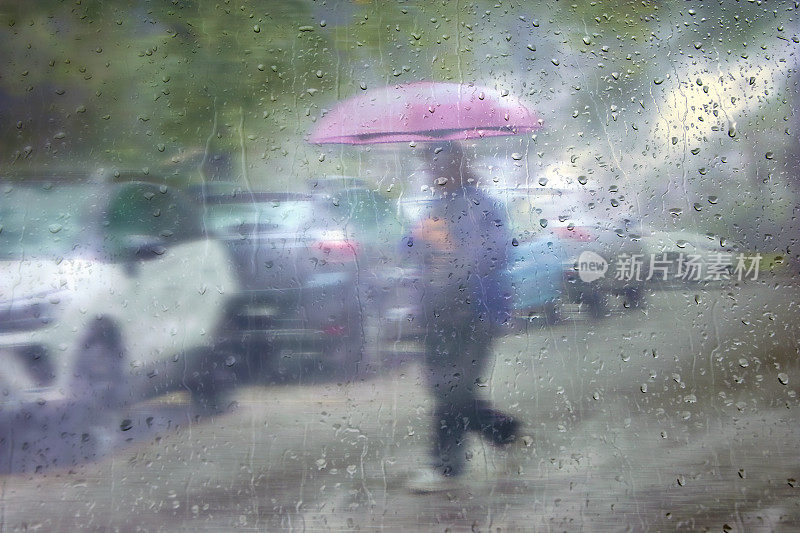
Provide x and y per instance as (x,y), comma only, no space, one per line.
(537,278)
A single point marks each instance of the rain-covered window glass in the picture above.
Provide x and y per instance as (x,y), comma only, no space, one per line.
(423,265)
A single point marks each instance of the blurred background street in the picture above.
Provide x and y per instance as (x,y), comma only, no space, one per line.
(628,426)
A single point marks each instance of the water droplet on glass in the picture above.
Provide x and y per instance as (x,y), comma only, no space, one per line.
(712,199)
(516,156)
(543,222)
(583,180)
(555,61)
(783,378)
(542,181)
(658,81)
(587,40)
(514,242)
(769,155)
(55,228)
(257,28)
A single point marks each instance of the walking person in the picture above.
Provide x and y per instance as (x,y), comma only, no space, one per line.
(462,245)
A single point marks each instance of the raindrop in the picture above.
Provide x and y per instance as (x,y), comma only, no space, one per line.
(61,135)
(658,81)
(481,96)
(697,206)
(230,360)
(555,61)
(769,155)
(744,363)
(55,228)
(319,73)
(587,40)
(732,130)
(674,141)
(161,147)
(643,388)
(583,180)
(712,199)
(542,181)
(681,243)
(783,378)
(516,156)
(614,202)
(514,242)
(126,424)
(543,222)
(257,28)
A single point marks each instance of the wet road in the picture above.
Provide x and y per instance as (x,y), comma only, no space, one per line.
(681,415)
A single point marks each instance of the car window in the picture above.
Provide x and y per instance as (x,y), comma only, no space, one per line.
(151,211)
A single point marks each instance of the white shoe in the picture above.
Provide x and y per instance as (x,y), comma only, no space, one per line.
(429,480)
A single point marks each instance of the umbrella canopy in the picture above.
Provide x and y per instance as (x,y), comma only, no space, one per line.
(424,111)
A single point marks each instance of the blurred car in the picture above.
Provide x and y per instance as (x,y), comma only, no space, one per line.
(565,215)
(109,293)
(680,257)
(313,270)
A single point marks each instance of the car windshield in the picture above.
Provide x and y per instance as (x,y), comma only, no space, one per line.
(43,220)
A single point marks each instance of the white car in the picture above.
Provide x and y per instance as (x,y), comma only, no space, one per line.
(109,293)
(688,257)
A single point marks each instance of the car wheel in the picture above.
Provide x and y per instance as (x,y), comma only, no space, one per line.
(597,303)
(211,380)
(99,371)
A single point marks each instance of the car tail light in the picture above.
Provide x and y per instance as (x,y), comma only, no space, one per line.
(335,331)
(575,233)
(337,246)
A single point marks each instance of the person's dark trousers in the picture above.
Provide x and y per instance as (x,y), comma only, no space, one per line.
(457,353)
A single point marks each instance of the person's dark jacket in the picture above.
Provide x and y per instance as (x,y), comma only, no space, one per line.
(470,277)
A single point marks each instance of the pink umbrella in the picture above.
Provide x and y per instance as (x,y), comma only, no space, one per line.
(424,111)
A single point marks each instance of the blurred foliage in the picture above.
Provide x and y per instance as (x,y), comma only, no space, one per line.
(229,90)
